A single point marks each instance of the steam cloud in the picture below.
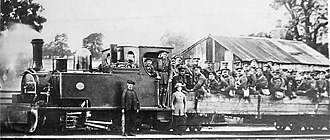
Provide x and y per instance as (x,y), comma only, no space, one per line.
(15,54)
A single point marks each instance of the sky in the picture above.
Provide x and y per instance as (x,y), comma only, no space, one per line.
(143,22)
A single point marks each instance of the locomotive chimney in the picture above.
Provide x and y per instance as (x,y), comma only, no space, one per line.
(37,53)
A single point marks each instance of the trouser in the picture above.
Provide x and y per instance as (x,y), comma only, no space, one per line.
(178,123)
(130,116)
(163,95)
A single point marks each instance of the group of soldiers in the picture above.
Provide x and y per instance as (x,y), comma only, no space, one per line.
(246,79)
(249,79)
(178,76)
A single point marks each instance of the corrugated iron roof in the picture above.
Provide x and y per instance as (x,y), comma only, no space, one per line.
(264,49)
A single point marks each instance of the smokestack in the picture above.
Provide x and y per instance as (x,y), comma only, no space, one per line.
(37,53)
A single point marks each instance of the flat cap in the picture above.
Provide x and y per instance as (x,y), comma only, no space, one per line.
(178,85)
(225,70)
(181,67)
(198,67)
(178,56)
(130,82)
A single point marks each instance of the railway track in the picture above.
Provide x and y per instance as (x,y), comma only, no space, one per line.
(206,133)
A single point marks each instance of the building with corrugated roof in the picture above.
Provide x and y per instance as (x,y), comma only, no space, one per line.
(235,50)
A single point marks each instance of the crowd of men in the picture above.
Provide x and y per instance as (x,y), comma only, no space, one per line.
(248,79)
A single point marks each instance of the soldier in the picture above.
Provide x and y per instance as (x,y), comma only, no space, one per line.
(270,64)
(254,63)
(180,78)
(173,69)
(195,62)
(278,85)
(163,69)
(212,84)
(130,107)
(267,72)
(227,83)
(208,69)
(224,65)
(321,84)
(189,73)
(291,84)
(261,82)
(187,62)
(178,61)
(241,84)
(201,81)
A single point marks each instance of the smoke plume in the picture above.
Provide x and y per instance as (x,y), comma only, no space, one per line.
(15,54)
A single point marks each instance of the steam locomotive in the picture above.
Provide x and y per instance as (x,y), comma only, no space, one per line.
(88,98)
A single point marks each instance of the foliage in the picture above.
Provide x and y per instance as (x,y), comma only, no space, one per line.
(309,20)
(260,34)
(94,43)
(21,11)
(59,47)
(178,41)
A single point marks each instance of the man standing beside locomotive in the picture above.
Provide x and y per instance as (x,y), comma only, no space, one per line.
(130,108)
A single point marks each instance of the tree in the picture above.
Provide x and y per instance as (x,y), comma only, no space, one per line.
(309,20)
(260,34)
(94,43)
(178,41)
(58,47)
(21,11)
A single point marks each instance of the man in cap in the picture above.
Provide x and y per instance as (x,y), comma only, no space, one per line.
(224,64)
(227,83)
(163,69)
(278,85)
(241,83)
(178,60)
(254,63)
(321,84)
(130,107)
(189,72)
(267,72)
(150,68)
(213,84)
(195,61)
(201,81)
(261,82)
(270,64)
(180,78)
(187,62)
(208,69)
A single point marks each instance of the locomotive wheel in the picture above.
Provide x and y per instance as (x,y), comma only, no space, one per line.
(195,128)
(279,126)
(310,128)
(319,128)
(295,127)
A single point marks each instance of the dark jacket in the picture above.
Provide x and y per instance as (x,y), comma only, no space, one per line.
(201,81)
(261,82)
(130,100)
